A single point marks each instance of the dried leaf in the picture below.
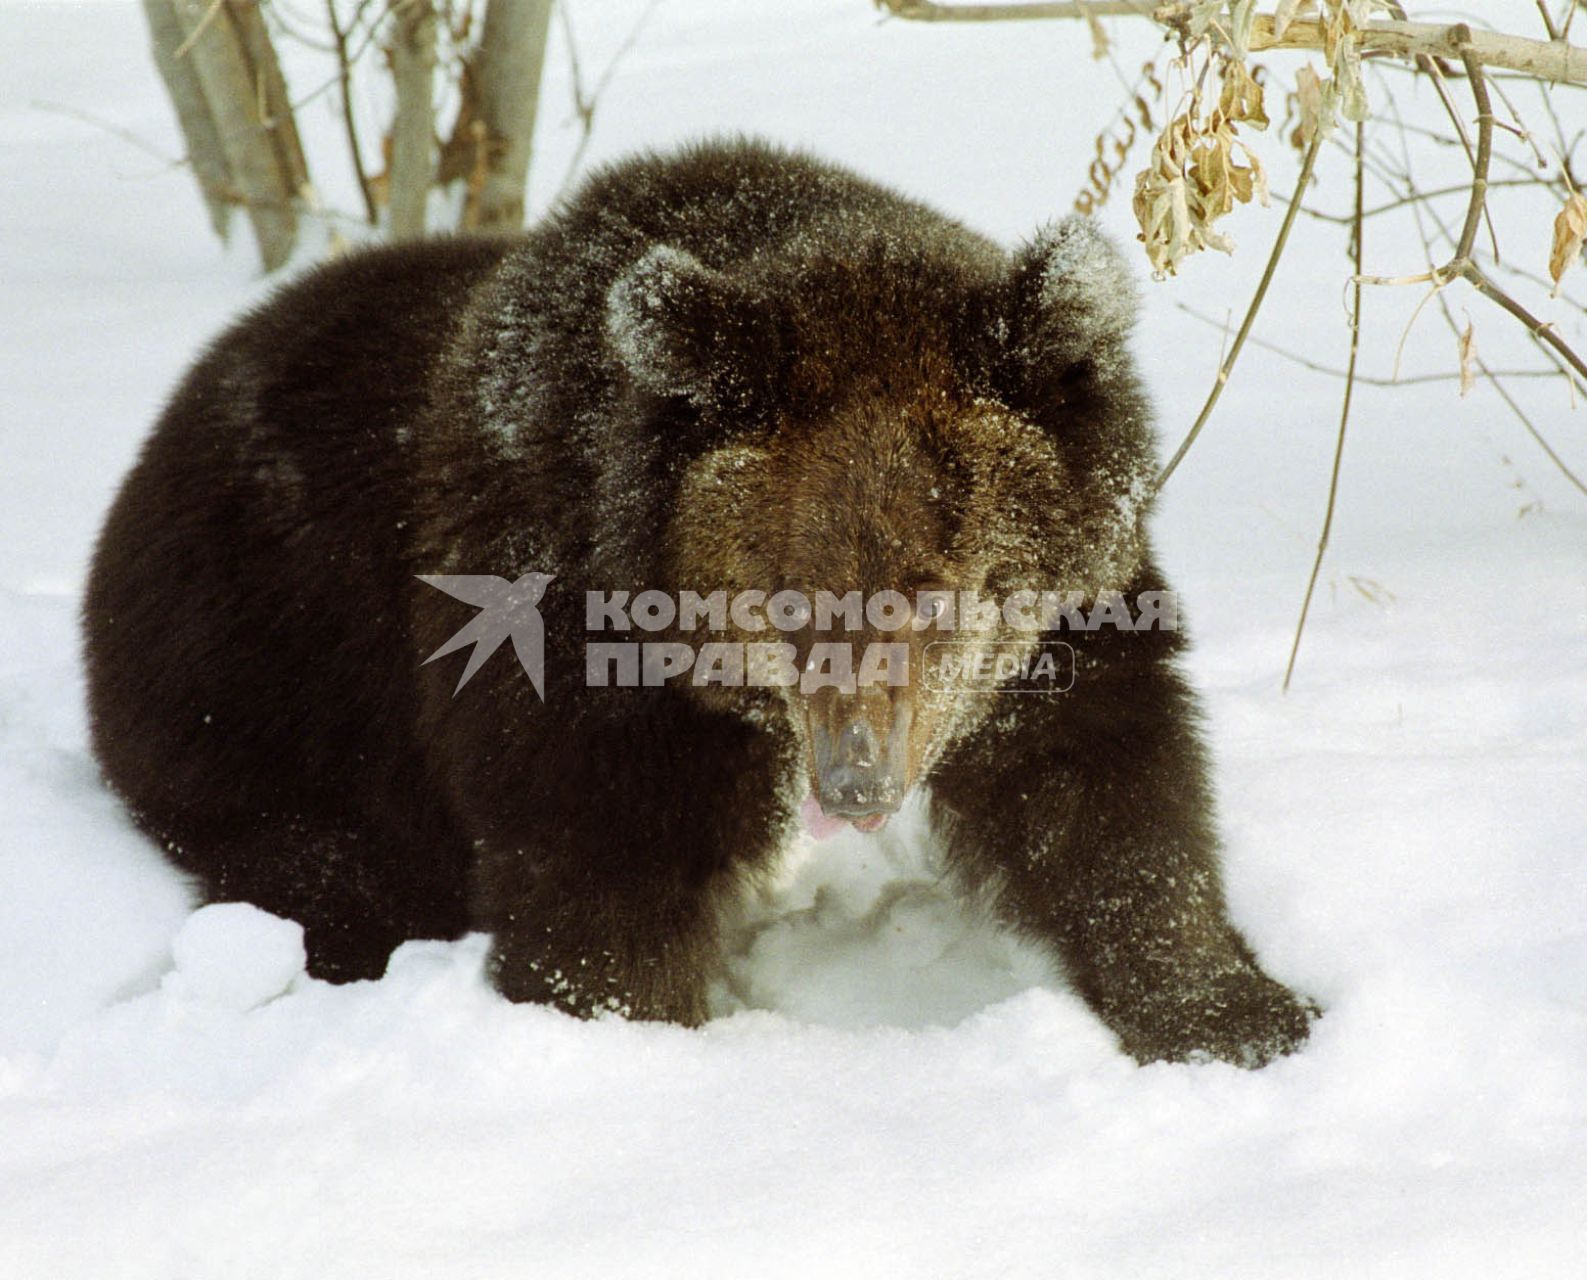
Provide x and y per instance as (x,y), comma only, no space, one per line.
(1468,359)
(1284,15)
(1317,104)
(1200,17)
(1099,37)
(1241,97)
(1342,17)
(1352,90)
(1373,590)
(1258,177)
(1570,230)
(1242,15)
(1195,175)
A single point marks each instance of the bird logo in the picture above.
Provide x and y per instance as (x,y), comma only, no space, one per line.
(507,611)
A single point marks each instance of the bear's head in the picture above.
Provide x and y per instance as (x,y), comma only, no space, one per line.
(893,422)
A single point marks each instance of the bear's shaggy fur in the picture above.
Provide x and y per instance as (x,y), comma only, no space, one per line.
(730,368)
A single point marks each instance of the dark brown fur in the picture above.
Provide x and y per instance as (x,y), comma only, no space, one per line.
(734,368)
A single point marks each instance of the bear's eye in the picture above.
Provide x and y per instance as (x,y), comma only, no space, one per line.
(789,610)
(931,605)
(1073,380)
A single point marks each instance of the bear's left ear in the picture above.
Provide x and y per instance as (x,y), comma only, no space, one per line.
(681,328)
(1072,304)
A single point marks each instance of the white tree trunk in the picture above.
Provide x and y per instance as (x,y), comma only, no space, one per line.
(412,168)
(205,153)
(236,69)
(511,53)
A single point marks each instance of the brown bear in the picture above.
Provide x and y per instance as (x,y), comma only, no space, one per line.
(730,373)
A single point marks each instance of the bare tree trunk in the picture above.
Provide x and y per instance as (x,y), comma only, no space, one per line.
(205,153)
(271,86)
(512,51)
(235,68)
(413,129)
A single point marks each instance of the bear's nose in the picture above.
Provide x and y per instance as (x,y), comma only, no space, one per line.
(854,780)
(857,744)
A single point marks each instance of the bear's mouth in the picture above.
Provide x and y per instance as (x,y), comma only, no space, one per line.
(822,825)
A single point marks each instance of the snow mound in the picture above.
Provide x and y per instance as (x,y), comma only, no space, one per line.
(235,956)
(868,930)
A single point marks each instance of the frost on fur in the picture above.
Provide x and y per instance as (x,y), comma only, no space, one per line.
(669,317)
(639,308)
(1081,289)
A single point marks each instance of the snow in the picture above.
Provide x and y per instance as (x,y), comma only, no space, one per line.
(234,956)
(895,1085)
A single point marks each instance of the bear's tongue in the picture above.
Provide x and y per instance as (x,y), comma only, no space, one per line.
(823,827)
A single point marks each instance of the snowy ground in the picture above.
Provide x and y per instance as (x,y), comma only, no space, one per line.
(895,1088)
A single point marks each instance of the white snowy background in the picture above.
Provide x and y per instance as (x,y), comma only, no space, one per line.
(895,1087)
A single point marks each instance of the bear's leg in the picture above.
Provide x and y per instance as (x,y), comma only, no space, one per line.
(358,890)
(605,893)
(1089,812)
(644,949)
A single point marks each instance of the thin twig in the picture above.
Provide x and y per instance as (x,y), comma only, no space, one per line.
(1519,129)
(1250,315)
(584,105)
(1431,68)
(203,25)
(1459,189)
(1548,22)
(110,127)
(1344,410)
(1399,347)
(1367,379)
(1479,176)
(1463,265)
(349,122)
(1531,429)
(1491,375)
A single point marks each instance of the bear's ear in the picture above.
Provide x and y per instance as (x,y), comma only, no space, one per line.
(1071,307)
(681,328)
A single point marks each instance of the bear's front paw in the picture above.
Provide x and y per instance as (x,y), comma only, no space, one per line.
(639,992)
(1242,1017)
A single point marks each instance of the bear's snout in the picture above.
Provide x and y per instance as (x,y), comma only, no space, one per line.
(860,749)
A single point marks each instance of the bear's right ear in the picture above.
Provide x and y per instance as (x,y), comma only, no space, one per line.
(681,328)
(1073,304)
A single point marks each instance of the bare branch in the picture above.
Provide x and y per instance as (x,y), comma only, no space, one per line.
(1250,316)
(923,11)
(584,104)
(1548,21)
(1333,371)
(1545,59)
(1463,265)
(1479,168)
(1491,375)
(344,68)
(1344,410)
